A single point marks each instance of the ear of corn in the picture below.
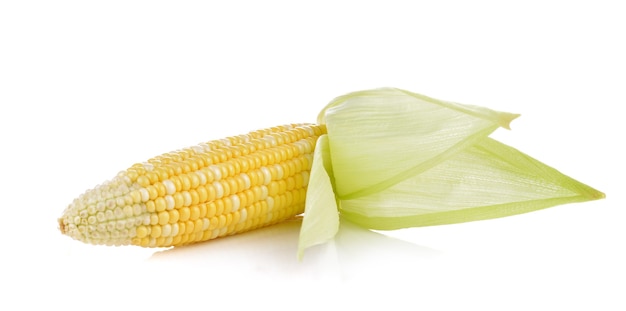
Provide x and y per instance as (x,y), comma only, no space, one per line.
(210,190)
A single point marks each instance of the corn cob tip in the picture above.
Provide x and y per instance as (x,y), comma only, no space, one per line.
(61,226)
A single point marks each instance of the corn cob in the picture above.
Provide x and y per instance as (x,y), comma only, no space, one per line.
(210,190)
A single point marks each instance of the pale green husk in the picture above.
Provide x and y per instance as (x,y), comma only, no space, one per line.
(395,159)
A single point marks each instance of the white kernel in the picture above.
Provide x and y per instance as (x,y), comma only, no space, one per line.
(264,192)
(120,201)
(217,173)
(202,178)
(132,232)
(174,229)
(270,203)
(279,171)
(219,189)
(170,203)
(83,214)
(146,220)
(197,149)
(120,224)
(246,180)
(110,203)
(205,224)
(128,211)
(145,195)
(77,220)
(267,175)
(170,188)
(243,215)
(110,226)
(148,166)
(118,212)
(138,209)
(271,140)
(100,206)
(166,230)
(187,198)
(91,209)
(236,202)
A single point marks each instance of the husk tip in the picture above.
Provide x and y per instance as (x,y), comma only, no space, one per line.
(506,118)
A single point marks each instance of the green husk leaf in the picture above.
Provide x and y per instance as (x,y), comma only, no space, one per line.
(487,180)
(321,218)
(381,137)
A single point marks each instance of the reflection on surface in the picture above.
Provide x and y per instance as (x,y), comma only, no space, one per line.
(271,251)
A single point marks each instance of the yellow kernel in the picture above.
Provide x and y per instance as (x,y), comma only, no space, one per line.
(244,165)
(228,204)
(186,183)
(203,209)
(174,216)
(195,181)
(132,174)
(162,174)
(143,181)
(229,219)
(154,219)
(150,206)
(177,182)
(160,241)
(222,221)
(195,198)
(297,178)
(239,200)
(178,200)
(152,191)
(190,227)
(257,194)
(273,188)
(161,189)
(234,186)
(198,224)
(155,232)
(160,204)
(211,209)
(290,183)
(282,186)
(225,187)
(136,196)
(186,198)
(153,177)
(164,217)
(185,213)
(202,194)
(194,213)
(219,207)
(210,190)
(214,222)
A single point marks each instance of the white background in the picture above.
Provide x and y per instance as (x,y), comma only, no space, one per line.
(88,88)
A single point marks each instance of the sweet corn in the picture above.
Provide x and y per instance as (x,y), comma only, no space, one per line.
(210,190)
